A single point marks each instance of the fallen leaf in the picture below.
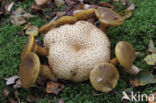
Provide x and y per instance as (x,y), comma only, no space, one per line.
(60,101)
(151,59)
(35,7)
(80,6)
(54,88)
(41,80)
(116,0)
(59,3)
(143,78)
(105,4)
(8,7)
(152,98)
(20,17)
(11,80)
(151,48)
(124,2)
(17,84)
(70,2)
(126,13)
(6,92)
(131,7)
(59,14)
(41,2)
(12,100)
(31,98)
(32,30)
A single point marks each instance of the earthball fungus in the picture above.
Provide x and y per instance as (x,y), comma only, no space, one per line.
(75,49)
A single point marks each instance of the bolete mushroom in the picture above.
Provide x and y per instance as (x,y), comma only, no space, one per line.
(108,17)
(31,46)
(104,77)
(125,55)
(30,68)
(75,49)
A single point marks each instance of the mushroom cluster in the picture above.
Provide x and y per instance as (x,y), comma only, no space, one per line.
(78,51)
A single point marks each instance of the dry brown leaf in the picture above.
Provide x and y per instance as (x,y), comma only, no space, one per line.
(80,6)
(8,7)
(12,100)
(131,7)
(31,98)
(105,4)
(59,14)
(6,92)
(17,84)
(41,80)
(54,88)
(41,2)
(59,3)
(35,7)
(125,2)
(151,59)
(20,17)
(11,80)
(60,101)
(32,30)
(143,78)
(151,48)
(70,2)
(152,98)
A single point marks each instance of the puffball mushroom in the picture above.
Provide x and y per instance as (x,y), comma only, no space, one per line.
(75,49)
(108,17)
(31,46)
(30,68)
(104,77)
(125,55)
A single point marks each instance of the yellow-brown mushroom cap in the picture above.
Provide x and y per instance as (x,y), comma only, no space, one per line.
(28,46)
(125,54)
(75,49)
(108,17)
(104,77)
(29,69)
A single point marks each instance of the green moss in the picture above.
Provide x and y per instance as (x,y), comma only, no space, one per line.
(137,30)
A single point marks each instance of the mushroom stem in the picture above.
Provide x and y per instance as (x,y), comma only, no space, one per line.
(103,27)
(31,46)
(133,70)
(30,68)
(114,61)
(46,71)
(40,50)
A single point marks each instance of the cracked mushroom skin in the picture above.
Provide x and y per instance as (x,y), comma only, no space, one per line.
(75,49)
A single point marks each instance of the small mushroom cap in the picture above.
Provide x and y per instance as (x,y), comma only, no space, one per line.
(104,77)
(108,17)
(29,70)
(28,46)
(125,54)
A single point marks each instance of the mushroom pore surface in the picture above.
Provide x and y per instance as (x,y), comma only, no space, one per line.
(75,49)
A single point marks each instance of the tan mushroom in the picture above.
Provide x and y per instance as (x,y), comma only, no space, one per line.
(75,49)
(125,55)
(30,68)
(104,77)
(108,17)
(31,46)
